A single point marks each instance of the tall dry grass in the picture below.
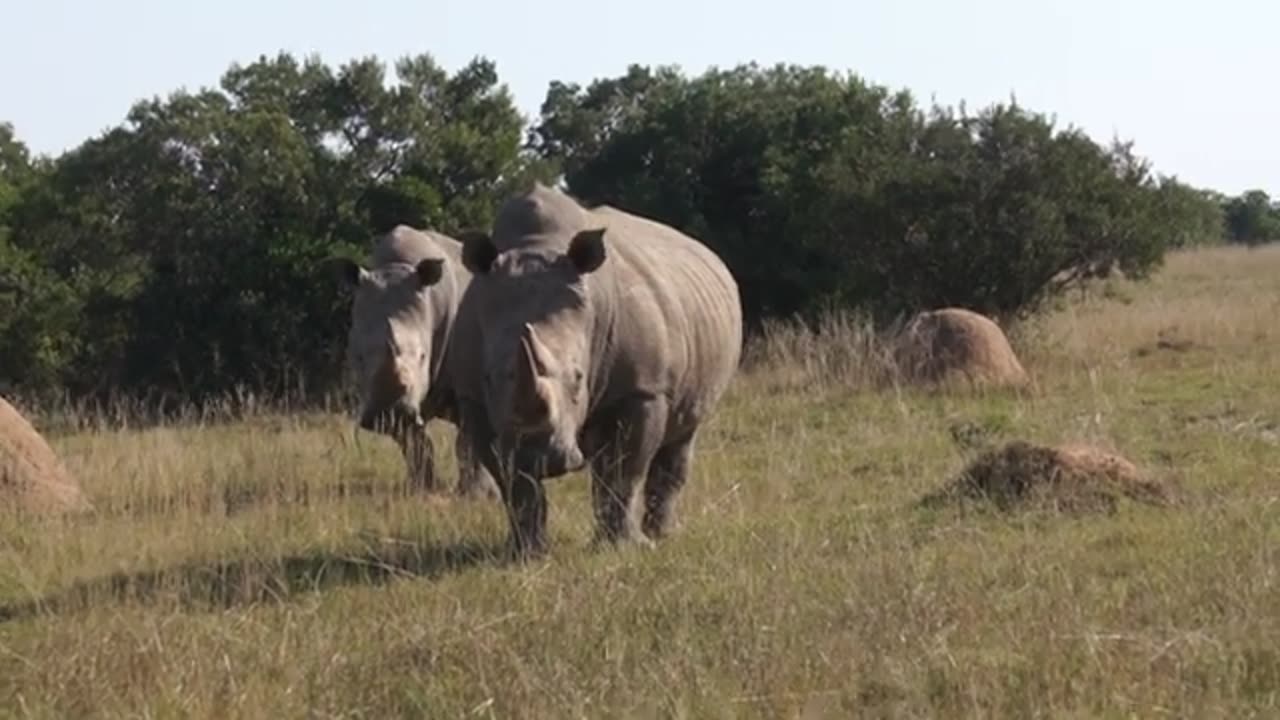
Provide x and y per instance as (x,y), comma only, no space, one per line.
(1211,298)
(268,564)
(842,348)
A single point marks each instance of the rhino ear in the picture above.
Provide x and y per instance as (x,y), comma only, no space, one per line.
(586,250)
(478,251)
(347,273)
(430,271)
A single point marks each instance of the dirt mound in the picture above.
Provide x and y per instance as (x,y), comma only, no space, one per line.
(942,346)
(1071,478)
(32,478)
(1167,341)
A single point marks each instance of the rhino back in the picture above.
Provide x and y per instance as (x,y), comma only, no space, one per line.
(668,316)
(674,317)
(404,244)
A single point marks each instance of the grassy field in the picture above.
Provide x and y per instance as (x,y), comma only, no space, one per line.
(272,568)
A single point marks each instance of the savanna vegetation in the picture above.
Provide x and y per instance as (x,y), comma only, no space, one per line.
(271,567)
(175,257)
(250,554)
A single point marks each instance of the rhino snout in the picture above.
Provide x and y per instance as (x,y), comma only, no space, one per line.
(390,418)
(549,461)
(568,461)
(573,461)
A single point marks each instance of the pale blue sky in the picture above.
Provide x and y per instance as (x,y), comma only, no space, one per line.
(1192,83)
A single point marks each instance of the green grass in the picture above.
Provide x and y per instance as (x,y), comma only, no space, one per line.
(272,567)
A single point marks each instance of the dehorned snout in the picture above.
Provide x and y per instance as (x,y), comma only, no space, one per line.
(390,397)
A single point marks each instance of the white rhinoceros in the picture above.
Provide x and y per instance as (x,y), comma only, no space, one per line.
(591,336)
(404,312)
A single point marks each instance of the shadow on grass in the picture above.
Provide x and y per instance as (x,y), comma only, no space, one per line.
(233,498)
(249,581)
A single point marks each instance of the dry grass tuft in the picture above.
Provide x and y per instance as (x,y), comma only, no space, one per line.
(946,349)
(840,349)
(249,560)
(1069,478)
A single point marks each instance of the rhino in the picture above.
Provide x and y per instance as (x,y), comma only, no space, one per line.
(592,338)
(403,314)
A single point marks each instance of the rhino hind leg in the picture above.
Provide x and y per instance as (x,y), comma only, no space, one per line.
(667,475)
(620,466)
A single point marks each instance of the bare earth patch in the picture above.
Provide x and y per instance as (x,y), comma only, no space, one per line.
(1070,478)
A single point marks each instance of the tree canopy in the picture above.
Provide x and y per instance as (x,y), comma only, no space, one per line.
(177,255)
(821,189)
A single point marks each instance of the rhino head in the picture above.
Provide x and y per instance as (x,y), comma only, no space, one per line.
(536,320)
(389,343)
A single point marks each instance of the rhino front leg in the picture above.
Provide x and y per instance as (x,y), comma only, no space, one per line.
(667,475)
(419,457)
(625,450)
(523,497)
(474,479)
(526,502)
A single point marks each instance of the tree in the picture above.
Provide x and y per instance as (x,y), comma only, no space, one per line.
(177,255)
(187,242)
(820,188)
(1252,218)
(37,309)
(1196,217)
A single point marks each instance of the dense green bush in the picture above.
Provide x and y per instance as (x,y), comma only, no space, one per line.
(822,189)
(1253,219)
(176,256)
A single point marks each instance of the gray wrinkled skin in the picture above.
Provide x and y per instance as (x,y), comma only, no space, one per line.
(404,311)
(592,338)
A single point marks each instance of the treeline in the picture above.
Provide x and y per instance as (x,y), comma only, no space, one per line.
(1253,218)
(178,255)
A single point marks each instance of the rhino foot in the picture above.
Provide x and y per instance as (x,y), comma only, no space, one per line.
(479,492)
(423,481)
(526,551)
(527,517)
(478,486)
(603,538)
